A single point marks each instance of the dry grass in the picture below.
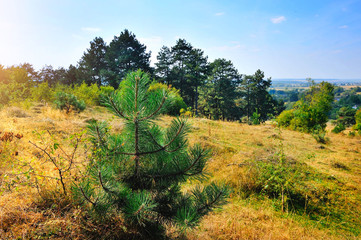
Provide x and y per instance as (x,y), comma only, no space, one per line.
(233,144)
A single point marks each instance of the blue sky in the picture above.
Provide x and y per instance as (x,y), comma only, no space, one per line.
(285,39)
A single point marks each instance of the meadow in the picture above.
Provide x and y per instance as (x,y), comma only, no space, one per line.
(284,185)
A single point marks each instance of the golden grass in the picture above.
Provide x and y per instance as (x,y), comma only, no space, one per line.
(232,144)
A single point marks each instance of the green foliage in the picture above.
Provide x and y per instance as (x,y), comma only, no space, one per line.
(309,113)
(123,55)
(338,128)
(92,64)
(68,102)
(357,126)
(256,118)
(218,95)
(346,116)
(319,134)
(175,101)
(285,118)
(139,172)
(42,92)
(89,94)
(183,67)
(4,95)
(106,90)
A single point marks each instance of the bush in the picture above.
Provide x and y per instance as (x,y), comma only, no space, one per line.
(175,101)
(4,96)
(106,91)
(89,94)
(285,118)
(309,113)
(319,134)
(357,126)
(42,92)
(346,116)
(256,118)
(338,128)
(68,102)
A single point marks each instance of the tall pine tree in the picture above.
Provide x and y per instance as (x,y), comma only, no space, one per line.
(219,93)
(93,62)
(125,54)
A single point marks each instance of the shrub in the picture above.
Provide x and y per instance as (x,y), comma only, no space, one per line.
(89,94)
(105,91)
(346,116)
(285,118)
(139,171)
(319,134)
(338,128)
(16,112)
(175,101)
(309,113)
(68,102)
(42,92)
(256,118)
(357,126)
(4,95)
(186,112)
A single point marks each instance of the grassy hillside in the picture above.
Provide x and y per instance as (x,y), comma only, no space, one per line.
(284,184)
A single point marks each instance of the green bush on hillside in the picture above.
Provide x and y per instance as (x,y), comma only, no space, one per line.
(339,128)
(42,92)
(309,113)
(68,102)
(357,126)
(175,101)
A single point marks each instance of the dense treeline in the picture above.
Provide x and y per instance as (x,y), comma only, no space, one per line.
(212,89)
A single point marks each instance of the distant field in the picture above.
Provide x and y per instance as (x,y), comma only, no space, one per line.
(282,84)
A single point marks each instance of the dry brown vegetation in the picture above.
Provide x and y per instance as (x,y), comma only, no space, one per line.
(249,215)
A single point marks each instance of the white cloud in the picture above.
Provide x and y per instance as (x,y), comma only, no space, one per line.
(343,27)
(219,14)
(90,29)
(279,19)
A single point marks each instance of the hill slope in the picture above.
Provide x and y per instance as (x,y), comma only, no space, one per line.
(285,185)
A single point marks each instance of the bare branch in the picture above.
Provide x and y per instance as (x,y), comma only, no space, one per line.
(46,153)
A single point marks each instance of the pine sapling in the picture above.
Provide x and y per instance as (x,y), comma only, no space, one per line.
(139,172)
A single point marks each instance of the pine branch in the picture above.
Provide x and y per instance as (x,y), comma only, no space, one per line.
(117,111)
(103,186)
(87,198)
(161,148)
(184,171)
(156,111)
(209,205)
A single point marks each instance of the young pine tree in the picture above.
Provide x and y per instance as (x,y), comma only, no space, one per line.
(138,173)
